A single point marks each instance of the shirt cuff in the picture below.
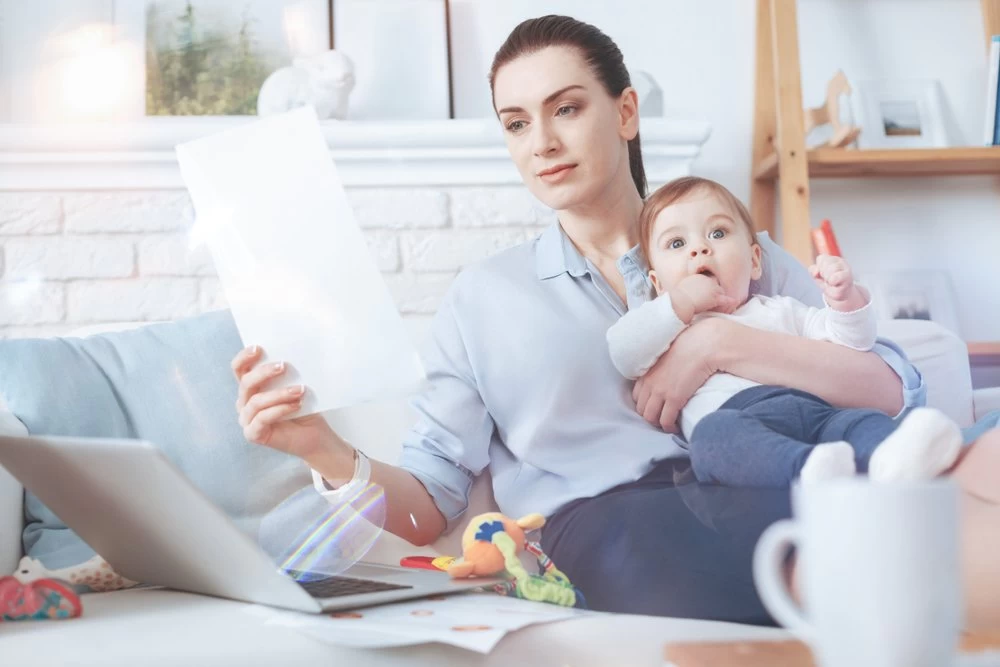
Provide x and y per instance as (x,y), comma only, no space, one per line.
(447,482)
(856,329)
(914,387)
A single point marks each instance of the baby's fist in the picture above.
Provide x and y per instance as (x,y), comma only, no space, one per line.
(834,277)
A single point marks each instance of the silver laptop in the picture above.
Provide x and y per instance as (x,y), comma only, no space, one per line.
(131,505)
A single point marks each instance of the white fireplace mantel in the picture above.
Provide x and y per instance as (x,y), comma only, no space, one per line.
(141,155)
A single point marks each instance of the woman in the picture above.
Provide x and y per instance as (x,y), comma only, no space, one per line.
(521,382)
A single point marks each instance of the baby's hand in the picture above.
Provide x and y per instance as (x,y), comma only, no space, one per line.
(834,277)
(701,294)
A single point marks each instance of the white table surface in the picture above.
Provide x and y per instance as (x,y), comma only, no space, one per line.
(158,627)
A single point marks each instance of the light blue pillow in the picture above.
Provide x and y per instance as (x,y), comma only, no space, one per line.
(170,384)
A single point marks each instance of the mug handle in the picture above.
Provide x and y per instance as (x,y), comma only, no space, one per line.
(768,561)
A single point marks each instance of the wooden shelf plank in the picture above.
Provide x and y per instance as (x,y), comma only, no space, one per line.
(984,349)
(848,163)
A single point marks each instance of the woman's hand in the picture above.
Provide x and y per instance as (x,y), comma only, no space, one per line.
(661,393)
(262,412)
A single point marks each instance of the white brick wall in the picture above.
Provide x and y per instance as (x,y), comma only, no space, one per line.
(71,259)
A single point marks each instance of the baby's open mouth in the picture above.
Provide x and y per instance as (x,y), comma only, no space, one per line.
(705,271)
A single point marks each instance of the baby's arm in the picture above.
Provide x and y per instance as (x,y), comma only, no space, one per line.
(848,319)
(642,335)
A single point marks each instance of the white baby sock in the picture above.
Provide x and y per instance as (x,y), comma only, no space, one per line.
(925,445)
(828,461)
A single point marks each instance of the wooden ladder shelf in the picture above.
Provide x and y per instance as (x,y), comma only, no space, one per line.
(779,120)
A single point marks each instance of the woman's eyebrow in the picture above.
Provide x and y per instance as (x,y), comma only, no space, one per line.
(547,100)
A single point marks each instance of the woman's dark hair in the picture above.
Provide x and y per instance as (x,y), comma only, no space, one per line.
(599,51)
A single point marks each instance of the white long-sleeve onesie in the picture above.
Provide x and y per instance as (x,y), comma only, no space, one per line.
(642,335)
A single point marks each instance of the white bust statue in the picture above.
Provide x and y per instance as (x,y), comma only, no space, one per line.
(324,80)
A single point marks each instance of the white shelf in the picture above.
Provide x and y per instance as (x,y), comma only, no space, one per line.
(140,155)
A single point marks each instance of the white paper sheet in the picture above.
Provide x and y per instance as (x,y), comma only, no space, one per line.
(294,265)
(474,621)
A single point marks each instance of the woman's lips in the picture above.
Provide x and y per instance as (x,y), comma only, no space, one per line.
(557,174)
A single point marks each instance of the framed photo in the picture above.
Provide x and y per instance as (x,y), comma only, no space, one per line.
(900,114)
(914,295)
(401,50)
(210,57)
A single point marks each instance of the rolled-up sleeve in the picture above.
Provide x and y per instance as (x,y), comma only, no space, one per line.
(449,443)
(914,387)
(784,275)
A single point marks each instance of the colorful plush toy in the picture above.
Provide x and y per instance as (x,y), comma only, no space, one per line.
(491,544)
(44,599)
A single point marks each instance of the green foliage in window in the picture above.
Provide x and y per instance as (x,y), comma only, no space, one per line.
(193,69)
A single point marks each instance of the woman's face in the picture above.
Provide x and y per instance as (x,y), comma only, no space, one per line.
(566,135)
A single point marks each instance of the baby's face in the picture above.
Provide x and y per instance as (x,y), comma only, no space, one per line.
(701,234)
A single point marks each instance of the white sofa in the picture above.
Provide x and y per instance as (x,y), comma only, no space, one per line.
(164,627)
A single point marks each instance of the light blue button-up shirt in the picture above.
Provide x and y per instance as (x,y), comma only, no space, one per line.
(521,382)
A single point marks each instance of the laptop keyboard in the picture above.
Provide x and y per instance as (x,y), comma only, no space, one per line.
(332,587)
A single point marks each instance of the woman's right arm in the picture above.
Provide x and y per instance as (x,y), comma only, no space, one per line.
(410,510)
(442,453)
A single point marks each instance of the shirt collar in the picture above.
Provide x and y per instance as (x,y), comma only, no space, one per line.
(632,259)
(555,254)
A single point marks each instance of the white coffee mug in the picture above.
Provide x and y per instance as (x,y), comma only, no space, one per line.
(878,570)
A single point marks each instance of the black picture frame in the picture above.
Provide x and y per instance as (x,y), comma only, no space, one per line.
(447,33)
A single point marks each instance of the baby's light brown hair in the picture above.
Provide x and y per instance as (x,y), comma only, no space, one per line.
(678,189)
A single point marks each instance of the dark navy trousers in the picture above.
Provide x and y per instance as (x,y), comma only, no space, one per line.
(763,435)
(667,545)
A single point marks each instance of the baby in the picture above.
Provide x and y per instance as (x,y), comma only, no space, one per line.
(698,239)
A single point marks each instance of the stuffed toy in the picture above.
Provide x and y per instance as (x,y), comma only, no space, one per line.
(42,599)
(492,544)
(93,576)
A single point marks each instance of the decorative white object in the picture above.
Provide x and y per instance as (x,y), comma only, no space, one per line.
(901,114)
(324,80)
(839,133)
(649,92)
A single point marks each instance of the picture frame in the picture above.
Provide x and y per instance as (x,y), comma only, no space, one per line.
(900,114)
(235,47)
(401,50)
(917,295)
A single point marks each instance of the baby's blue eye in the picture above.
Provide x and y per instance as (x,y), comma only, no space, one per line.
(717,234)
(675,244)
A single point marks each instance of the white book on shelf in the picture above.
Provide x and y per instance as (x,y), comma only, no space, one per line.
(992,91)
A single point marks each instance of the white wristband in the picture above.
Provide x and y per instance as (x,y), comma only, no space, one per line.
(362,475)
